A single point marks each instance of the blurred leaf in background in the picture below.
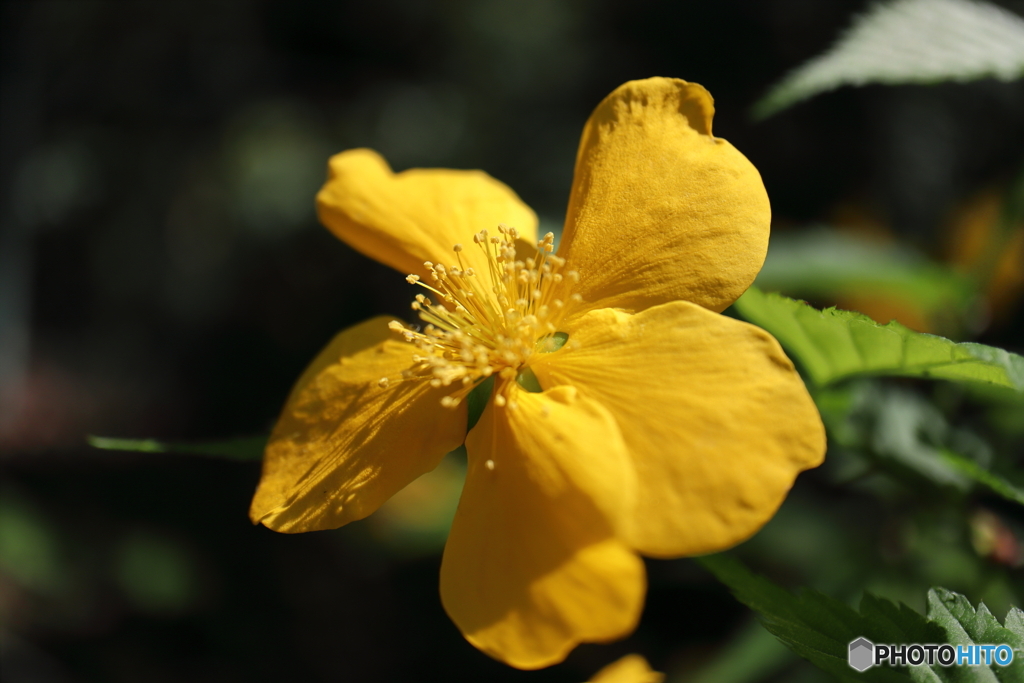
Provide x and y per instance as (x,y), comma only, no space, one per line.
(157,574)
(826,264)
(986,243)
(246,448)
(416,520)
(29,549)
(911,41)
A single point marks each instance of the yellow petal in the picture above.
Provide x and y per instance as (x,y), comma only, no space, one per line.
(404,219)
(532,567)
(717,420)
(629,669)
(660,209)
(343,445)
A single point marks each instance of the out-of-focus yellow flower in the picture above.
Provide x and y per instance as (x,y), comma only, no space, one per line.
(627,416)
(629,669)
(980,244)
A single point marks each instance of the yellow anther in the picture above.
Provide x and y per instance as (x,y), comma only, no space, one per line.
(478,324)
(383,382)
(489,465)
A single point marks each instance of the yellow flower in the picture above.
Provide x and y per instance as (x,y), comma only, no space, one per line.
(629,669)
(627,416)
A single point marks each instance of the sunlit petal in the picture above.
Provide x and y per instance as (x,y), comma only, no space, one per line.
(403,219)
(343,444)
(629,669)
(660,208)
(532,566)
(717,420)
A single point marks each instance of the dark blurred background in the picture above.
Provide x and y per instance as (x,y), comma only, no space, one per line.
(162,274)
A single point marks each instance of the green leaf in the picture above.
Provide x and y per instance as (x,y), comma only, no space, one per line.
(416,520)
(910,41)
(828,263)
(243,449)
(1015,621)
(963,625)
(819,628)
(832,345)
(903,433)
(973,470)
(751,656)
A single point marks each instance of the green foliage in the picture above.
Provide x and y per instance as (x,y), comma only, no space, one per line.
(416,520)
(833,344)
(751,656)
(820,628)
(910,41)
(244,448)
(29,548)
(157,574)
(993,481)
(966,626)
(906,434)
(827,263)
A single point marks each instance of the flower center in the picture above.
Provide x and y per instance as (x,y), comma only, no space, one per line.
(484,324)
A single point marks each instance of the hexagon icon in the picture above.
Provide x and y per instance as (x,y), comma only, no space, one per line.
(862,654)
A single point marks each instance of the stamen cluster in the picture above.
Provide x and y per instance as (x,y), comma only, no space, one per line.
(479,325)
